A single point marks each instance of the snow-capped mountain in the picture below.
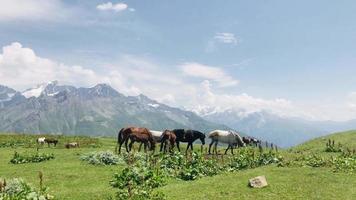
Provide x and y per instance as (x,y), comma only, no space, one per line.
(99,110)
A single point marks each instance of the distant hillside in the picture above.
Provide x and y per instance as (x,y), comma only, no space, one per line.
(347,139)
(100,110)
(283,131)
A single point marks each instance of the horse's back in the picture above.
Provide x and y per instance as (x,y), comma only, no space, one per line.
(156,133)
(217,133)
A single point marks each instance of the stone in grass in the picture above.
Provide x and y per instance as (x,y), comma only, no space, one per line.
(258,182)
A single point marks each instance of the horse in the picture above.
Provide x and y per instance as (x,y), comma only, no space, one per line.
(71,145)
(251,141)
(41,140)
(168,136)
(188,136)
(157,136)
(135,134)
(51,141)
(231,138)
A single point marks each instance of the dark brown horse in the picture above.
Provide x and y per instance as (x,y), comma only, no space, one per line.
(135,134)
(51,141)
(168,136)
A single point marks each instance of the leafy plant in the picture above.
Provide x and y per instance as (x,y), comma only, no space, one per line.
(18,189)
(30,158)
(331,147)
(101,158)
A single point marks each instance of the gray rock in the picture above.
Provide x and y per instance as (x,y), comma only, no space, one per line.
(258,182)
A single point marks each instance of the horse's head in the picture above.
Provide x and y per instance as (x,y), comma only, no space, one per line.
(202,138)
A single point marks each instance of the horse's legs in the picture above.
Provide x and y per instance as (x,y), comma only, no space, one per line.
(139,148)
(130,145)
(161,147)
(145,146)
(216,147)
(178,146)
(232,150)
(171,147)
(187,147)
(211,143)
(227,148)
(126,141)
(165,147)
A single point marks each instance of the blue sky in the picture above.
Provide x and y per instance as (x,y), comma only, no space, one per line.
(294,58)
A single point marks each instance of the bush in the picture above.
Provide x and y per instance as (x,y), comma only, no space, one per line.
(331,147)
(101,158)
(248,158)
(31,158)
(137,181)
(196,166)
(19,189)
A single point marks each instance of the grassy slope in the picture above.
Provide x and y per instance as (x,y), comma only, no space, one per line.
(347,139)
(69,178)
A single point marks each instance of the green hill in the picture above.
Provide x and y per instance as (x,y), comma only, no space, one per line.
(346,139)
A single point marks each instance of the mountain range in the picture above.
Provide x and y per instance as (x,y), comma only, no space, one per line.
(99,110)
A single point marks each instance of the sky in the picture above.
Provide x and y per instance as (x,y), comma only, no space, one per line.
(291,58)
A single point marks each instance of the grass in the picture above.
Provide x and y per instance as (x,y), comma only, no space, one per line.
(284,183)
(70,178)
(347,139)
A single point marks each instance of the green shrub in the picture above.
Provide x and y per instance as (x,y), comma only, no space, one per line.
(138,180)
(248,158)
(331,147)
(31,158)
(17,189)
(101,158)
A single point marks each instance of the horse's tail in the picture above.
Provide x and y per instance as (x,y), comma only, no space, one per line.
(119,136)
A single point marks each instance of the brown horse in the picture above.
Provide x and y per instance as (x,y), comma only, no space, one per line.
(135,134)
(168,136)
(51,141)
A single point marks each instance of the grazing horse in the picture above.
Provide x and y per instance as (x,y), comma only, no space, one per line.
(251,141)
(41,140)
(51,141)
(157,136)
(135,134)
(71,145)
(188,136)
(231,138)
(168,136)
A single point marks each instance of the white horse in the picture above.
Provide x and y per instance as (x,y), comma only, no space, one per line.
(232,138)
(41,140)
(157,136)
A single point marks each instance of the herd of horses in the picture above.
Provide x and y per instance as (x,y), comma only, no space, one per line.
(128,136)
(168,139)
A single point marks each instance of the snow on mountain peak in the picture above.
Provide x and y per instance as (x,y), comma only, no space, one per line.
(39,89)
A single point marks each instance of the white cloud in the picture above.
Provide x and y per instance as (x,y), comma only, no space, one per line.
(208,72)
(114,7)
(208,101)
(30,10)
(21,68)
(228,38)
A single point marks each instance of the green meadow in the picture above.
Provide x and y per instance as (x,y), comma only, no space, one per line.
(68,177)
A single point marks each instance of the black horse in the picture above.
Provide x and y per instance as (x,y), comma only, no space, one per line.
(188,136)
